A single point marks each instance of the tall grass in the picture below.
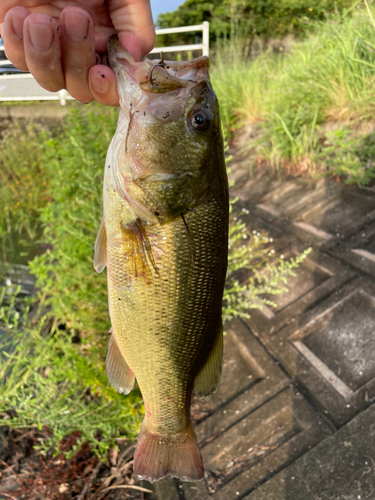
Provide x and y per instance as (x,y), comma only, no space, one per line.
(327,77)
(24,177)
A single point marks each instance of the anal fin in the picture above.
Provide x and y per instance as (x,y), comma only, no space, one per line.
(119,374)
(100,248)
(207,381)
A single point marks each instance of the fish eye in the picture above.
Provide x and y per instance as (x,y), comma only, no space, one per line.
(200,120)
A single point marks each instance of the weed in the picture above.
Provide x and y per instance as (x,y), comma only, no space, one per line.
(267,274)
(348,155)
(328,77)
(49,382)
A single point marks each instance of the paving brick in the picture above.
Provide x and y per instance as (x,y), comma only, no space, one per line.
(167,489)
(257,447)
(288,199)
(250,377)
(254,190)
(359,250)
(315,279)
(336,217)
(329,351)
(341,467)
(295,195)
(280,239)
(320,213)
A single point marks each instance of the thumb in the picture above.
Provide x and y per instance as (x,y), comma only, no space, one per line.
(135,28)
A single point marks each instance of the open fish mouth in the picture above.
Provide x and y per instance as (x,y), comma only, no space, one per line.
(153,76)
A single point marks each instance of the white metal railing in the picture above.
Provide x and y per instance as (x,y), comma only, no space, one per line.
(204,46)
(23,87)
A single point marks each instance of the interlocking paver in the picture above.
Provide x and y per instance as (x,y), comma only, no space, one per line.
(340,468)
(255,448)
(329,350)
(315,279)
(250,377)
(319,213)
(359,250)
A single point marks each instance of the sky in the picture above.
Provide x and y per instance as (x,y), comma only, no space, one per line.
(161,6)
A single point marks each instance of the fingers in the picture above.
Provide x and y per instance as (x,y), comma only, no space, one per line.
(103,85)
(41,37)
(78,51)
(61,53)
(133,21)
(12,34)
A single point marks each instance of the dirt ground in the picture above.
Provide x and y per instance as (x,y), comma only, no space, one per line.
(26,474)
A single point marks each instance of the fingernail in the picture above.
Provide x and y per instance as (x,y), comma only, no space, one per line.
(41,36)
(76,26)
(100,84)
(17,25)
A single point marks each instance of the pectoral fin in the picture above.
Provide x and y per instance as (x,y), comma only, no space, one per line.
(139,250)
(119,374)
(100,248)
(207,381)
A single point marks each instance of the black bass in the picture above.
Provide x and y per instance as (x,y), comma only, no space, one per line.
(164,240)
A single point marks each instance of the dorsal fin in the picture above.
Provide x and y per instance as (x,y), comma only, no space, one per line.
(207,381)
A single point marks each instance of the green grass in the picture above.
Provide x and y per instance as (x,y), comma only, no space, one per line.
(24,178)
(329,77)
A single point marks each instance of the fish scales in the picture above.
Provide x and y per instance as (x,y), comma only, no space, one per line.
(164,239)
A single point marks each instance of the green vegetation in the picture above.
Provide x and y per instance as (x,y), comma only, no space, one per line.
(266,274)
(312,108)
(252,18)
(53,384)
(311,105)
(71,218)
(23,177)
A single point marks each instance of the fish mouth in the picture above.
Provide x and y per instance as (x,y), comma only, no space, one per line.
(155,76)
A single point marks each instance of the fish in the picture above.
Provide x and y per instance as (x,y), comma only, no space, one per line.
(164,240)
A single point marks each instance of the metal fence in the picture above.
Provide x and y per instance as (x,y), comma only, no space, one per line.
(23,87)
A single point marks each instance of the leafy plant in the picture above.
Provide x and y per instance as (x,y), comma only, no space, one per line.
(252,18)
(267,274)
(349,155)
(76,294)
(24,179)
(50,383)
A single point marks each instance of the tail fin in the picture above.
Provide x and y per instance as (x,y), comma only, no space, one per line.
(157,456)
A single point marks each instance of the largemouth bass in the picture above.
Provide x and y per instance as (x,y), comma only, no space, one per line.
(164,240)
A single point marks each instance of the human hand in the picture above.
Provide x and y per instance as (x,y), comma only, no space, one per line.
(64,45)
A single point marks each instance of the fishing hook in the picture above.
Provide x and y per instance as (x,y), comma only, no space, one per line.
(161,64)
